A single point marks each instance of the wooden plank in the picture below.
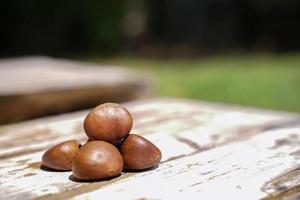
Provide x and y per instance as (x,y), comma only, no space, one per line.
(240,152)
(243,170)
(36,86)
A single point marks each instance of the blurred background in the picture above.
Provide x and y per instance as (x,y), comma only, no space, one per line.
(240,52)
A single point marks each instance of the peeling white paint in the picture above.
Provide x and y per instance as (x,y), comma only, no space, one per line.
(208,151)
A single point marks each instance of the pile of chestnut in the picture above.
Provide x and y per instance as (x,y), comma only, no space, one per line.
(109,150)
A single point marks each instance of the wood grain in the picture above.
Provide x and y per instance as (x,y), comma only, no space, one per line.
(209,150)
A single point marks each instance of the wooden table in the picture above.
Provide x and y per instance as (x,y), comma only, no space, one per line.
(38,86)
(210,151)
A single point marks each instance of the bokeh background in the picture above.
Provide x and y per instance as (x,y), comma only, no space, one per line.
(240,52)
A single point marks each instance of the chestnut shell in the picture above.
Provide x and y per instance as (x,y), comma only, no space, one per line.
(139,153)
(97,160)
(108,122)
(60,156)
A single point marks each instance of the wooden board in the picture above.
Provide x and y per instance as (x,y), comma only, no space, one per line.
(36,86)
(210,151)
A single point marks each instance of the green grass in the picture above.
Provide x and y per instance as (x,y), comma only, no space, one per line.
(268,81)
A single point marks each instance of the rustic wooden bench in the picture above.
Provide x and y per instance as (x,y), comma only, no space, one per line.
(37,86)
(211,151)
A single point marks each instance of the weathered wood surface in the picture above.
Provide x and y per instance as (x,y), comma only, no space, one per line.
(210,151)
(35,86)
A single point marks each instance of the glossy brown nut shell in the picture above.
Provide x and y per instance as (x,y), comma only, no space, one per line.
(109,122)
(60,156)
(116,144)
(97,160)
(139,153)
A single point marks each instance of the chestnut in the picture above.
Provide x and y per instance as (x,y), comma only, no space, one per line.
(108,122)
(97,160)
(60,156)
(139,153)
(117,143)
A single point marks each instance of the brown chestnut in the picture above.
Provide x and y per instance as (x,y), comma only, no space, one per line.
(139,153)
(97,160)
(60,156)
(117,143)
(109,122)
